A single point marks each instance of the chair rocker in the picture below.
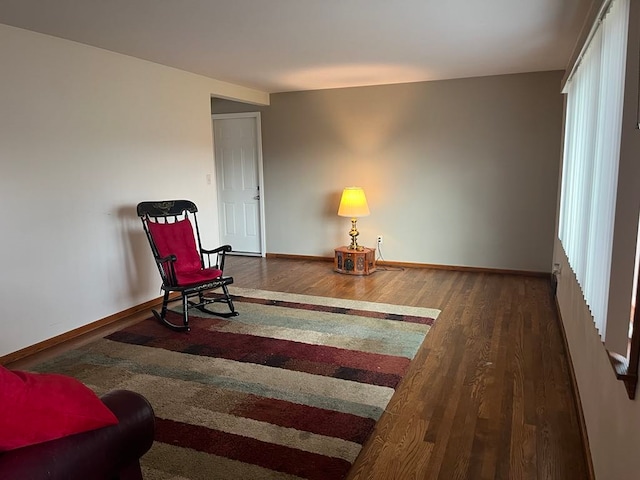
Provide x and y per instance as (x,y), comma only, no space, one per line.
(183,266)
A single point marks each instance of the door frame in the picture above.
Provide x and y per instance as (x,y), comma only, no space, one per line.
(258,124)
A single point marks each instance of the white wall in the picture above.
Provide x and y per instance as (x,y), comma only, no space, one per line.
(86,134)
(612,420)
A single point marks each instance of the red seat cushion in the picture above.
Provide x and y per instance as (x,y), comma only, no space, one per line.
(37,407)
(190,278)
(177,239)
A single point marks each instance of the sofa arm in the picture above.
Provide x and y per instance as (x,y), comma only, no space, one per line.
(105,453)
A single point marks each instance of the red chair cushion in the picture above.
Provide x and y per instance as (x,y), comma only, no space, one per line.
(177,239)
(190,278)
(38,407)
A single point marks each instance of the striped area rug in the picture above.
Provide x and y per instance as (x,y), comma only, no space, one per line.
(291,388)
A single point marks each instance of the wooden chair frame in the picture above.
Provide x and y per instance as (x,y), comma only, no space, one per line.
(171,211)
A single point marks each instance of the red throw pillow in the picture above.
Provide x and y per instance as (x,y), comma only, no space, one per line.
(37,407)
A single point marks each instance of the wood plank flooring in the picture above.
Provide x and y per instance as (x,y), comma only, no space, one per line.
(488,395)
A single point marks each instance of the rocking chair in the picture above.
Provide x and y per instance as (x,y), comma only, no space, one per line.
(184,268)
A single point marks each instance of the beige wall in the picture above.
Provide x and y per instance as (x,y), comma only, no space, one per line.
(613,421)
(85,135)
(458,172)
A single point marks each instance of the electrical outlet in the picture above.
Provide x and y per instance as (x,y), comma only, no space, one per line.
(379,239)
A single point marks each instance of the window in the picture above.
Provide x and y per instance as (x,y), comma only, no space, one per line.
(595,91)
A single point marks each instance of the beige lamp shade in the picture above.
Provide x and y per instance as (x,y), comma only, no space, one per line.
(353,203)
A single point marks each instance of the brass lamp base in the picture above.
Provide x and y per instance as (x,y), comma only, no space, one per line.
(353,233)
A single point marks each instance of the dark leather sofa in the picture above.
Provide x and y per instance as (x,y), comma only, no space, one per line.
(107,453)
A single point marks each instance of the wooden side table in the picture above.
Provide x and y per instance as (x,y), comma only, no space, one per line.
(354,262)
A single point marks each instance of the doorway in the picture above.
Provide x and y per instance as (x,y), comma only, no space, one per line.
(238,165)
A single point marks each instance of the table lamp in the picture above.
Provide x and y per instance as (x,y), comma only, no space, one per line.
(353,204)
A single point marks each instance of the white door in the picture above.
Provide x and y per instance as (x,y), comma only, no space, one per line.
(238,160)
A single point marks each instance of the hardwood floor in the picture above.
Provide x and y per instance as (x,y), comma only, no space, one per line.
(488,396)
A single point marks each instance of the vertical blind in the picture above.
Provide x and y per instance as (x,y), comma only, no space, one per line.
(593,127)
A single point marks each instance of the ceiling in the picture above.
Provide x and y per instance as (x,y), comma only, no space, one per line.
(289,45)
